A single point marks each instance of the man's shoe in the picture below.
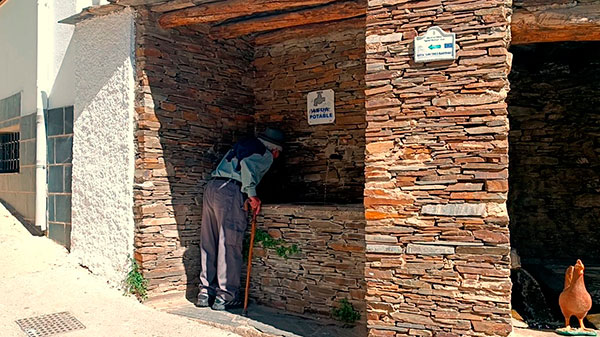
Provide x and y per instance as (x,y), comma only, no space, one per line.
(221,304)
(203,300)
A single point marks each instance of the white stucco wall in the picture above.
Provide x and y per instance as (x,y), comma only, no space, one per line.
(62,74)
(103,145)
(18,49)
(62,66)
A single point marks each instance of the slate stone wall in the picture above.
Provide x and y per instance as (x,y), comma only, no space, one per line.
(320,163)
(330,263)
(194,100)
(17,190)
(437,239)
(554,110)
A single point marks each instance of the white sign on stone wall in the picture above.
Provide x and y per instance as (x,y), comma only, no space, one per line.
(435,45)
(320,107)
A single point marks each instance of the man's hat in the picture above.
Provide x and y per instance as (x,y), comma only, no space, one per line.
(273,136)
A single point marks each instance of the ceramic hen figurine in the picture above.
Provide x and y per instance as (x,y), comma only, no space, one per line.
(575,301)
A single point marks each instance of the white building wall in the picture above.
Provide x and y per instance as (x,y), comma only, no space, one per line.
(62,66)
(103,145)
(18,49)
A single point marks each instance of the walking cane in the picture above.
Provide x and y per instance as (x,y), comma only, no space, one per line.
(245,312)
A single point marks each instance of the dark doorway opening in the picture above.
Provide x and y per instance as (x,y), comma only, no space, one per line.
(554,183)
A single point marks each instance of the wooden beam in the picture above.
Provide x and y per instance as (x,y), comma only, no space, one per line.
(231,9)
(333,12)
(580,23)
(315,29)
(136,2)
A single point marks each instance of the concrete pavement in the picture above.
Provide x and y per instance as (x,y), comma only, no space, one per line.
(38,277)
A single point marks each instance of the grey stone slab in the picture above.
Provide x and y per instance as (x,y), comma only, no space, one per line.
(381,238)
(56,121)
(450,243)
(56,232)
(55,179)
(68,120)
(27,127)
(27,152)
(64,149)
(412,248)
(384,249)
(455,210)
(68,178)
(10,107)
(51,213)
(63,208)
(50,158)
(389,328)
(68,236)
(9,123)
(27,176)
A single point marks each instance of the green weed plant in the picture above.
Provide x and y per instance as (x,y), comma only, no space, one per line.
(135,283)
(345,312)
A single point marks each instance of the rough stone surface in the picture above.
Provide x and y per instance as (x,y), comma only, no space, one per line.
(429,249)
(329,267)
(103,145)
(194,100)
(448,125)
(196,97)
(554,140)
(323,163)
(454,210)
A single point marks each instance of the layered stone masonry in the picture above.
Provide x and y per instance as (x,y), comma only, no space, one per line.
(193,102)
(437,239)
(329,266)
(323,163)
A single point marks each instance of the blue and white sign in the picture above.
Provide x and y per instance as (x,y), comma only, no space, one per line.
(435,45)
(320,107)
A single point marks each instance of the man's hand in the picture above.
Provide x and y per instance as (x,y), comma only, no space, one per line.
(255,204)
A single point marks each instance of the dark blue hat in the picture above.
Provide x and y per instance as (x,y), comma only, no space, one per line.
(273,136)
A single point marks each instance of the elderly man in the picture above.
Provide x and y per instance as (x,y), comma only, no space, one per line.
(224,219)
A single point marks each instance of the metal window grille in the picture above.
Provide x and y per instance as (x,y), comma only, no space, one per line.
(9,152)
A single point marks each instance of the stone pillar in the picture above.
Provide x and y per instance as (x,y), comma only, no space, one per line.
(437,241)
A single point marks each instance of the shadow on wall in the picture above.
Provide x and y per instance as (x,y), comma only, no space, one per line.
(554,181)
(197,103)
(554,112)
(64,83)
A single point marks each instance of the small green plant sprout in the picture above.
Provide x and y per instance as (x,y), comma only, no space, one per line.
(135,283)
(345,312)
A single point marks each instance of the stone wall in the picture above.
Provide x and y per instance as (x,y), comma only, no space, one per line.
(194,100)
(17,190)
(59,157)
(321,163)
(554,111)
(437,239)
(330,263)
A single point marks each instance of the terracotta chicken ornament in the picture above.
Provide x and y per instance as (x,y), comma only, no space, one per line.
(575,301)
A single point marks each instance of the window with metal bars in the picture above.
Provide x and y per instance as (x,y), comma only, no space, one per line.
(9,152)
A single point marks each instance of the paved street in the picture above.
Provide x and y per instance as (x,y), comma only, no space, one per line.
(38,277)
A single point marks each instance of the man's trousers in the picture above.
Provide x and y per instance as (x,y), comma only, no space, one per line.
(222,232)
